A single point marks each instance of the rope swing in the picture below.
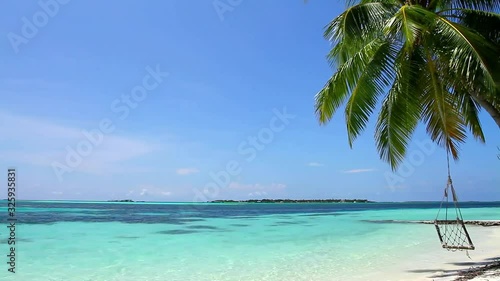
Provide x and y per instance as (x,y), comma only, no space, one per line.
(452,232)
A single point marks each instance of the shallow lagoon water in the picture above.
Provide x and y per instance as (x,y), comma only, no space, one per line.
(71,241)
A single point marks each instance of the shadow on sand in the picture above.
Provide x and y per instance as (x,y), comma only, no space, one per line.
(466,270)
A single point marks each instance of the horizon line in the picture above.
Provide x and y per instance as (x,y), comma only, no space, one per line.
(236,200)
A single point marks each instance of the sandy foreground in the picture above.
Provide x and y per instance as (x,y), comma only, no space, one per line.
(483,265)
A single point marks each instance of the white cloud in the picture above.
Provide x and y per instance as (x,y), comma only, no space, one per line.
(57,192)
(356,171)
(257,193)
(25,127)
(151,190)
(187,171)
(42,142)
(314,164)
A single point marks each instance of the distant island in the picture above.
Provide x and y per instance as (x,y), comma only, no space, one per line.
(270,201)
(294,201)
(124,200)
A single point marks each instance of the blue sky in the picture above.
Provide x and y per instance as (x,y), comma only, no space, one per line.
(223,107)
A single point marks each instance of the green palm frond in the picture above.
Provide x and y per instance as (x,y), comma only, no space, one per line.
(401,108)
(339,86)
(445,125)
(470,109)
(482,5)
(406,25)
(375,78)
(485,23)
(351,30)
(488,26)
(436,61)
(466,51)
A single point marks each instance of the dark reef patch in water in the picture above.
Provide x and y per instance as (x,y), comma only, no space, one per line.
(471,222)
(288,222)
(323,215)
(127,237)
(46,213)
(239,225)
(5,241)
(283,217)
(176,231)
(209,227)
(190,219)
(390,221)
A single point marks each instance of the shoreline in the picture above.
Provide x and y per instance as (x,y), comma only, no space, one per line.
(487,267)
(484,223)
(483,264)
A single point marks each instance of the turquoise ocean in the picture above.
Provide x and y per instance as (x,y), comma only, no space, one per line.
(97,241)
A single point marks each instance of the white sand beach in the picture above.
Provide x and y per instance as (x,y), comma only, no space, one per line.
(442,265)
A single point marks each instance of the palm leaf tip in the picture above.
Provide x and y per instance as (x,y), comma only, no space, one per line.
(433,63)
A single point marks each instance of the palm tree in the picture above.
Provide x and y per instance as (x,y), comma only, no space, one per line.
(430,61)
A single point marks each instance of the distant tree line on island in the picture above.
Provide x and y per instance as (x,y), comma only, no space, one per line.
(124,200)
(294,201)
(274,201)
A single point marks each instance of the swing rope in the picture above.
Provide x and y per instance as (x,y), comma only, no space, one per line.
(452,232)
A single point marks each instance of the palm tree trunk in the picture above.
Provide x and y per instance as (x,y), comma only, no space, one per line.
(495,113)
